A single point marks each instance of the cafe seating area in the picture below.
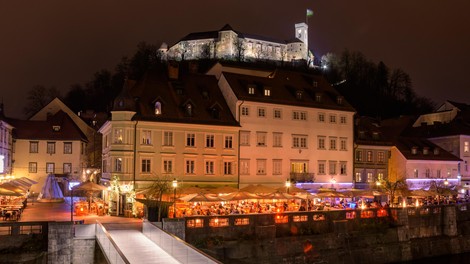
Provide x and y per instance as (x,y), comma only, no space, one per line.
(11,209)
(84,207)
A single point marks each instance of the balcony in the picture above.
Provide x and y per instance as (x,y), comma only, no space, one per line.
(302,177)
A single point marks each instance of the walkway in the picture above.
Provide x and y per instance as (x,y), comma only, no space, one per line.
(138,248)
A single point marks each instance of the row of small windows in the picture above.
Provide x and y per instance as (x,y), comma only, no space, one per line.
(228,167)
(169,140)
(370,156)
(296,115)
(298,141)
(50,168)
(50,147)
(298,94)
(188,108)
(333,167)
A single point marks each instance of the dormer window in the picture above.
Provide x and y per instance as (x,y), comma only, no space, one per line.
(425,151)
(215,112)
(158,108)
(414,150)
(56,128)
(315,84)
(267,92)
(318,98)
(375,135)
(298,95)
(339,100)
(189,109)
(436,151)
(251,89)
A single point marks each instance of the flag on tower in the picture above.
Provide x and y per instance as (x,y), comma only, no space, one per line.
(309,12)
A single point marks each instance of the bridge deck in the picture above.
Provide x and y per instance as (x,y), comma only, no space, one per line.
(138,248)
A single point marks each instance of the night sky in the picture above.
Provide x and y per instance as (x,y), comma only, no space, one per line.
(60,43)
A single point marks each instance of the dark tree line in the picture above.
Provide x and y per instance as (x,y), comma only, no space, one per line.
(374,89)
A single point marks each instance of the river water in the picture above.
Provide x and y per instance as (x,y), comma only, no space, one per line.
(449,259)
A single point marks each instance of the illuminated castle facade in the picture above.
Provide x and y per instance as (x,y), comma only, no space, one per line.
(228,43)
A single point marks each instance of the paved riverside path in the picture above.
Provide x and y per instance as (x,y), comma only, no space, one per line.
(138,248)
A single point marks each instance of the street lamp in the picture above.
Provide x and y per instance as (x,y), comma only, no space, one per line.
(288,184)
(446,182)
(174,184)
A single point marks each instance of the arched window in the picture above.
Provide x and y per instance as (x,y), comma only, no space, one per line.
(158,108)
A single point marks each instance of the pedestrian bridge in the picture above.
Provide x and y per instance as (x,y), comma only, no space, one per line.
(151,245)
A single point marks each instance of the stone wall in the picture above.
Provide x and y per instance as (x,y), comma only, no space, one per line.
(60,246)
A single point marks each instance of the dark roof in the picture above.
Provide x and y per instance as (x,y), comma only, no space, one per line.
(44,130)
(406,146)
(200,91)
(284,86)
(368,131)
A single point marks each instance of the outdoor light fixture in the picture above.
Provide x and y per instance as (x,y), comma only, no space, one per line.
(174,184)
(288,184)
(446,182)
(378,183)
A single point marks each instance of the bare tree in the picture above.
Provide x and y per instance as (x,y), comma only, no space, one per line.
(206,51)
(160,186)
(38,97)
(393,189)
(240,48)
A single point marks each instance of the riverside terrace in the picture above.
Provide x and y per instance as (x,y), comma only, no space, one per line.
(394,234)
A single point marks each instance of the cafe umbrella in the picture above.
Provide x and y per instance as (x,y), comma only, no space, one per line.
(90,188)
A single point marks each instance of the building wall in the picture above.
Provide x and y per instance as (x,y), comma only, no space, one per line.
(363,167)
(6,149)
(23,158)
(459,145)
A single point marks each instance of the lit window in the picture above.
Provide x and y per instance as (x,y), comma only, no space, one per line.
(251,90)
(118,165)
(118,135)
(359,155)
(146,137)
(195,223)
(67,168)
(218,222)
(242,221)
(281,219)
(319,217)
(267,92)
(380,156)
(158,108)
(369,156)
(300,218)
(466,147)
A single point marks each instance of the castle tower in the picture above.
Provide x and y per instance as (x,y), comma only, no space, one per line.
(301,32)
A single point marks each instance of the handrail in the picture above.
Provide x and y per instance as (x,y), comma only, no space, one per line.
(123,257)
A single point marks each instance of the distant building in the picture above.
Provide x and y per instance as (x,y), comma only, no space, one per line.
(294,126)
(52,146)
(166,126)
(371,153)
(6,146)
(228,43)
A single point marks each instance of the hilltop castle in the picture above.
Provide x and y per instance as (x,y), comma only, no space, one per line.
(228,43)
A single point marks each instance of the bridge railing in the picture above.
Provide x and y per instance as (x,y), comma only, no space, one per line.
(177,248)
(111,251)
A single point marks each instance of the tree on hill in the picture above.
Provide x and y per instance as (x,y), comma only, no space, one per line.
(38,97)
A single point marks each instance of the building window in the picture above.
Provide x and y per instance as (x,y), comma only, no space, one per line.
(332,167)
(146,137)
(167,166)
(50,167)
(245,111)
(298,95)
(380,176)
(210,167)
(190,167)
(299,166)
(277,139)
(299,115)
(67,168)
(261,166)
(267,92)
(428,173)
(118,135)
(277,114)
(342,168)
(299,141)
(321,167)
(261,112)
(33,167)
(381,156)
(261,139)
(190,140)
(369,156)
(167,138)
(332,119)
(321,142)
(33,146)
(359,155)
(228,142)
(105,166)
(158,108)
(415,173)
(438,173)
(67,147)
(244,138)
(332,143)
(370,177)
(244,166)
(118,165)
(466,147)
(228,168)
(210,141)
(251,90)
(277,167)
(146,165)
(50,147)
(342,120)
(321,117)
(343,144)
(358,177)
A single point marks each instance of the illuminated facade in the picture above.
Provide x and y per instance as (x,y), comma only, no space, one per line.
(228,43)
(179,128)
(6,146)
(294,126)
